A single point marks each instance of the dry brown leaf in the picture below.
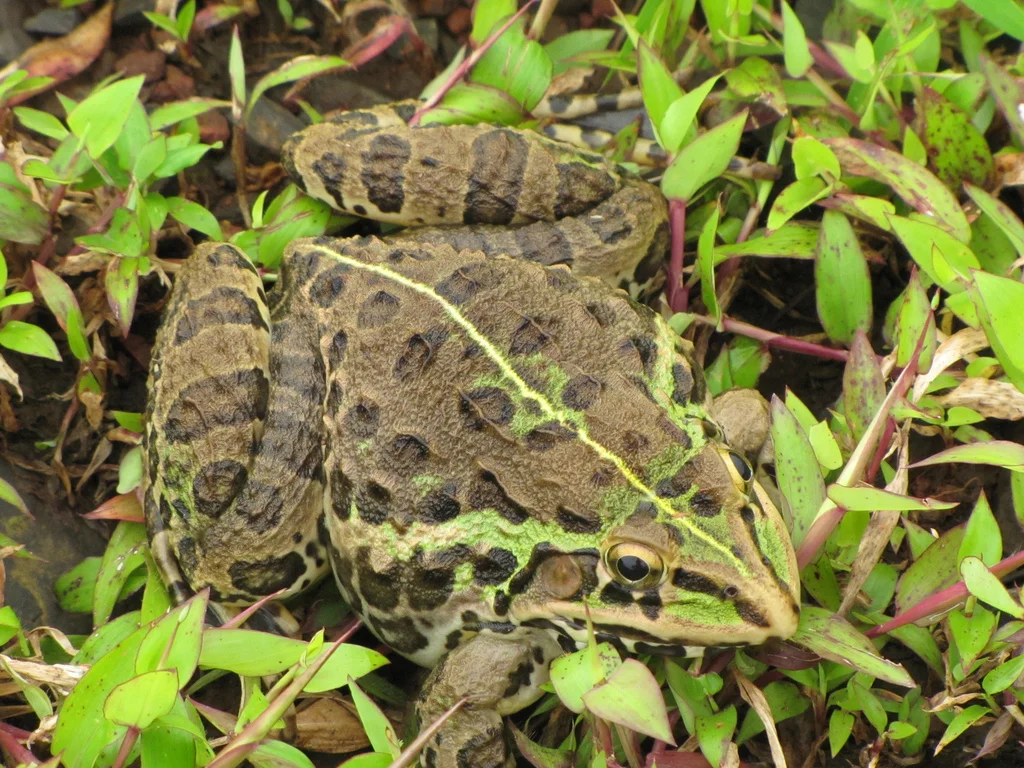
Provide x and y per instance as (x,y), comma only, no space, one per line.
(327,725)
(755,698)
(9,375)
(956,347)
(992,399)
(64,57)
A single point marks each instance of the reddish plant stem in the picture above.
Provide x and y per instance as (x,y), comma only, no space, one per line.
(10,741)
(463,69)
(944,599)
(678,294)
(778,341)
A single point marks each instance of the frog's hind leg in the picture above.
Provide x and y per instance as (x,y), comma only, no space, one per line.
(232,488)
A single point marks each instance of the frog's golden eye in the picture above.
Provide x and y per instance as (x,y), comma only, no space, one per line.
(634,565)
(739,469)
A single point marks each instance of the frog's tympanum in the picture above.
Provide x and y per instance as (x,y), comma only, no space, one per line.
(487,442)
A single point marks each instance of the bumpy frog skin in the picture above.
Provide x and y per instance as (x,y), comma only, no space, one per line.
(489,444)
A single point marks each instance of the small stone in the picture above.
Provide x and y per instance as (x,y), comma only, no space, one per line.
(151,64)
(175,86)
(14,41)
(213,126)
(459,20)
(55,22)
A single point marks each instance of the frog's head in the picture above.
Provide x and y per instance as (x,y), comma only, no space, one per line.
(704,560)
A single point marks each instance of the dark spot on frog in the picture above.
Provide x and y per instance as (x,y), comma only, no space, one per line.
(486,406)
(647,350)
(704,504)
(611,227)
(580,188)
(497,176)
(335,397)
(378,310)
(383,172)
(461,285)
(336,350)
(650,604)
(453,639)
(402,635)
(407,450)
(695,582)
(645,509)
(602,477)
(538,654)
(363,420)
(577,522)
(216,485)
(604,315)
(428,589)
(673,487)
(188,559)
(750,614)
(263,577)
(494,567)
(297,538)
(373,501)
(653,260)
(486,492)
(530,337)
(633,442)
(641,385)
(420,350)
(380,590)
(429,162)
(249,392)
(221,306)
(501,603)
(341,494)
(545,243)
(547,435)
(682,378)
(519,678)
(330,169)
(328,285)
(581,392)
(616,594)
(438,506)
(359,210)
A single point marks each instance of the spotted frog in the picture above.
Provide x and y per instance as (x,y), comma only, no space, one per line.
(488,442)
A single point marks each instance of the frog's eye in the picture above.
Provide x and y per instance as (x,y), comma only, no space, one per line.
(634,565)
(739,469)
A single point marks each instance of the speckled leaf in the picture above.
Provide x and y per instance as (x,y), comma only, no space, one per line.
(867,498)
(987,587)
(1003,676)
(873,210)
(999,301)
(842,282)
(795,198)
(573,674)
(714,734)
(1001,214)
(141,700)
(794,241)
(542,757)
(956,149)
(1007,92)
(971,633)
(863,385)
(632,697)
(935,569)
(960,723)
(378,729)
(913,319)
(797,471)
(996,453)
(942,257)
(835,639)
(916,185)
(125,552)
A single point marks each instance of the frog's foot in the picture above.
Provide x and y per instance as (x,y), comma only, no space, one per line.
(498,675)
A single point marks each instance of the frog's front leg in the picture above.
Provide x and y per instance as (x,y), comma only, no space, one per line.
(499,675)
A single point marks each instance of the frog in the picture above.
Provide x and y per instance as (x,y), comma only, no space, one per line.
(497,450)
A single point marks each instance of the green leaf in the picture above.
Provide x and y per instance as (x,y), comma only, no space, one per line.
(9,494)
(516,65)
(835,639)
(125,553)
(982,538)
(866,498)
(795,240)
(987,587)
(797,471)
(997,453)
(488,16)
(122,283)
(971,633)
(1003,676)
(657,85)
(812,158)
(840,726)
(1000,213)
(236,72)
(64,306)
(378,729)
(1007,94)
(794,43)
(956,149)
(194,216)
(794,198)
(916,185)
(998,301)
(41,122)
(129,472)
(963,720)
(706,263)
(706,158)
(564,48)
(1007,16)
(295,69)
(632,697)
(714,734)
(28,339)
(163,22)
(177,111)
(573,674)
(678,123)
(101,116)
(141,700)
(22,219)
